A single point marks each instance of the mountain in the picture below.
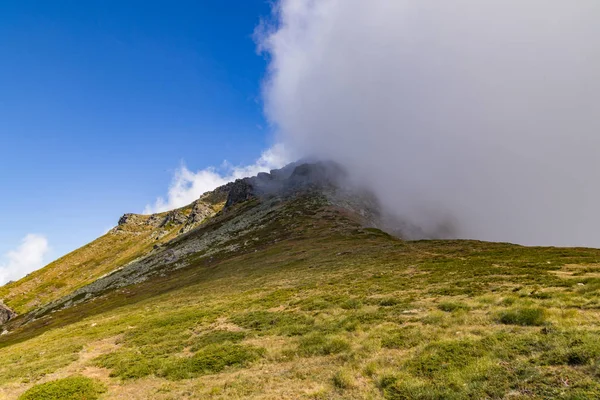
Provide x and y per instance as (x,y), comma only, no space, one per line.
(295,284)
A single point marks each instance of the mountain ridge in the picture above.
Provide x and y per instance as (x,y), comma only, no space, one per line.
(146,234)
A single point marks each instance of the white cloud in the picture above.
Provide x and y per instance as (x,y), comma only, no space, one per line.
(482,112)
(187,185)
(28,257)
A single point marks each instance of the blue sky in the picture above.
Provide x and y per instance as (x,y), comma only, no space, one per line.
(101,102)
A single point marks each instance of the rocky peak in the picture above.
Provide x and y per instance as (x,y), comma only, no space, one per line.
(323,178)
(286,181)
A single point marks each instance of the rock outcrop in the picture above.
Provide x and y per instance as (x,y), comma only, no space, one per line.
(241,190)
(185,218)
(175,217)
(201,210)
(286,181)
(6,314)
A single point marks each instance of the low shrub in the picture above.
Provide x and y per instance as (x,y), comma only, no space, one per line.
(212,359)
(284,323)
(72,388)
(524,316)
(452,306)
(322,345)
(389,302)
(218,336)
(343,379)
(404,337)
(445,356)
(351,304)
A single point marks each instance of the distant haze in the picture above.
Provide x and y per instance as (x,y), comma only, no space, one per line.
(480,119)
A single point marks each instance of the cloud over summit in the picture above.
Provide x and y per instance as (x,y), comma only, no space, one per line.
(482,113)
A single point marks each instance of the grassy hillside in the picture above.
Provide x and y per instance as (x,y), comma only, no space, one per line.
(118,247)
(318,308)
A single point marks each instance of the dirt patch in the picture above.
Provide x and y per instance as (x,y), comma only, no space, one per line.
(578,271)
(223,324)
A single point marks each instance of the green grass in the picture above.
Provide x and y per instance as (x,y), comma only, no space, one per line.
(73,388)
(320,308)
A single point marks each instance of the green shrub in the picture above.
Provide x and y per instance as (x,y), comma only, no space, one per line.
(284,323)
(484,382)
(218,336)
(352,304)
(508,301)
(451,306)
(446,356)
(386,381)
(127,364)
(525,316)
(572,348)
(321,345)
(72,388)
(399,303)
(370,369)
(343,379)
(275,298)
(402,338)
(406,390)
(210,360)
(436,318)
(541,295)
(315,304)
(389,301)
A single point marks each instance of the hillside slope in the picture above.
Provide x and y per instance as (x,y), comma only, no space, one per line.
(133,237)
(289,294)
